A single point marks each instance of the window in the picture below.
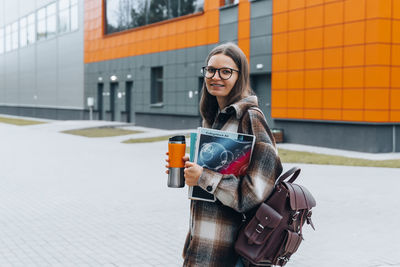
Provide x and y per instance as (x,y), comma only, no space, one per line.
(157,85)
(8,38)
(126,14)
(74,15)
(23,32)
(1,41)
(67,15)
(231,2)
(64,24)
(14,35)
(41,24)
(51,22)
(46,22)
(31,28)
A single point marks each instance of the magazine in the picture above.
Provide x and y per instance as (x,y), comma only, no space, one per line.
(220,151)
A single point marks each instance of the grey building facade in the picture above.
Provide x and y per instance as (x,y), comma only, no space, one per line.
(42,75)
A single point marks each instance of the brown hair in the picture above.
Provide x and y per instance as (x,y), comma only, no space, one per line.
(241,89)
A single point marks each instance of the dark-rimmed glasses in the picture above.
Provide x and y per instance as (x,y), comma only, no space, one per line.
(224,73)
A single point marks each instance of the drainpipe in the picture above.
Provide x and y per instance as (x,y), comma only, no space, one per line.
(394,138)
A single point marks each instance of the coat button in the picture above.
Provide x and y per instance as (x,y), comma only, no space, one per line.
(209,188)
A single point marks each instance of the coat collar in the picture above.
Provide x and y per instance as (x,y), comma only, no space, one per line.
(240,107)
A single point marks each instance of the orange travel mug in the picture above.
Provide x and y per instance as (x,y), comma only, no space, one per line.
(176,149)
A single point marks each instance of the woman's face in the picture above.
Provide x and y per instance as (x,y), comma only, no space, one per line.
(215,85)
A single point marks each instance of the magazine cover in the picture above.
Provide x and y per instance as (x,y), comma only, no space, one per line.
(223,152)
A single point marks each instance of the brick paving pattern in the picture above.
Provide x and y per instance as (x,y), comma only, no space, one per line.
(73,201)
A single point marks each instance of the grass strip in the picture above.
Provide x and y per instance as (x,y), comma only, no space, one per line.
(149,139)
(101,132)
(290,156)
(19,122)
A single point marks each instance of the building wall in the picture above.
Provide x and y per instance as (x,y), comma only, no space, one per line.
(334,62)
(188,31)
(46,78)
(131,54)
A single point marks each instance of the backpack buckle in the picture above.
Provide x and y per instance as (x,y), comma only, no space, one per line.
(295,215)
(259,231)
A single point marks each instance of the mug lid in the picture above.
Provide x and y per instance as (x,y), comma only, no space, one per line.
(177,138)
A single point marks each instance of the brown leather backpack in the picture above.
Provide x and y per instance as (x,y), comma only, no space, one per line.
(274,231)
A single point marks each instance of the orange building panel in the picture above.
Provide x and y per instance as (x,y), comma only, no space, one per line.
(296,20)
(394,116)
(295,61)
(333,36)
(312,114)
(314,16)
(310,3)
(332,78)
(395,77)
(314,38)
(396,9)
(280,43)
(280,22)
(313,59)
(378,30)
(377,54)
(279,80)
(295,113)
(296,41)
(354,33)
(376,115)
(312,98)
(333,57)
(395,56)
(332,99)
(295,80)
(352,115)
(295,98)
(243,27)
(353,77)
(377,77)
(377,99)
(353,56)
(354,10)
(332,114)
(396,31)
(379,9)
(333,13)
(353,99)
(280,99)
(280,6)
(279,62)
(296,4)
(279,113)
(313,79)
(395,99)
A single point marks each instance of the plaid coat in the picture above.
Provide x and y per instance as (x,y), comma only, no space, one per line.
(214,226)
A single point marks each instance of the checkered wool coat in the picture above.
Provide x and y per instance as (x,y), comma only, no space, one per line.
(214,226)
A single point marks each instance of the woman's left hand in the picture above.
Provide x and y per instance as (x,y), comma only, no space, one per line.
(192,173)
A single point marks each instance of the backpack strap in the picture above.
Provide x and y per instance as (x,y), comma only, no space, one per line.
(240,127)
(294,172)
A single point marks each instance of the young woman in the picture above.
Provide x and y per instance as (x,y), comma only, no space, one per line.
(227,104)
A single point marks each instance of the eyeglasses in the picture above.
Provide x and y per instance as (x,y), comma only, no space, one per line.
(224,73)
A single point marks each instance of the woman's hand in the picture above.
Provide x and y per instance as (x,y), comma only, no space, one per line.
(185,158)
(193,172)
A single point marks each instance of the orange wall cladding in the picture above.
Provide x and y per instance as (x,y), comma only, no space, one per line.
(336,60)
(188,31)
